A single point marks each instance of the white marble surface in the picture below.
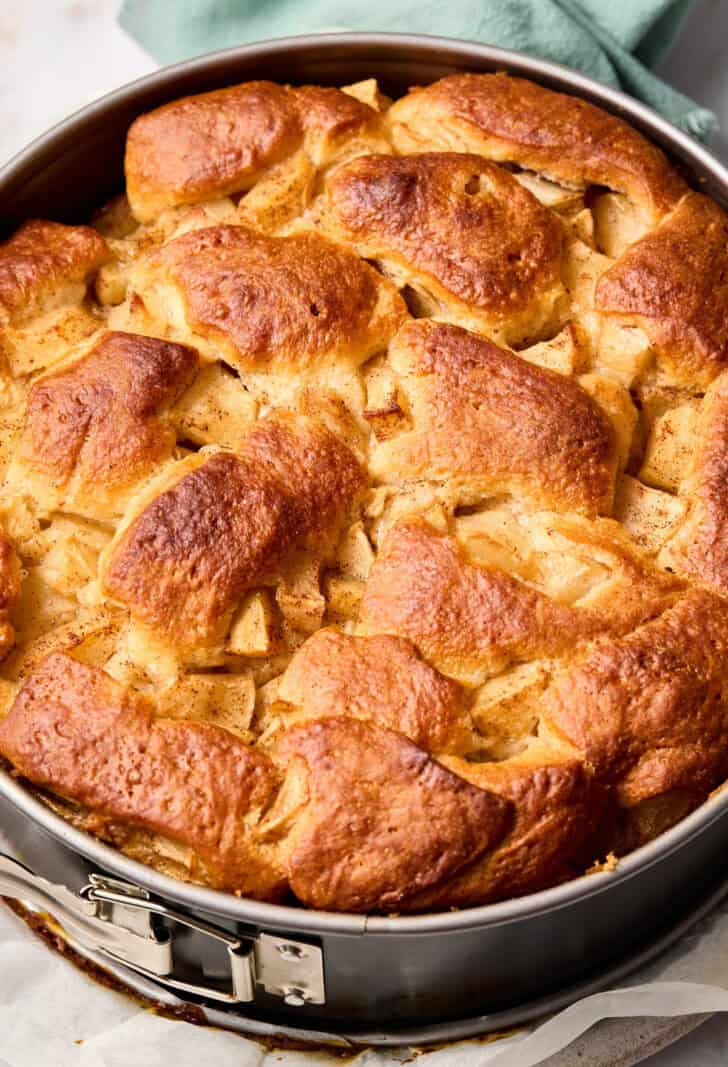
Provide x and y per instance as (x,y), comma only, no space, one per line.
(56,55)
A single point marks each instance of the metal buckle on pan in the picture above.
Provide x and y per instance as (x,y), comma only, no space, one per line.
(122,921)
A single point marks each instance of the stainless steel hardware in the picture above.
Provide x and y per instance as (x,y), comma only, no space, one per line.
(122,921)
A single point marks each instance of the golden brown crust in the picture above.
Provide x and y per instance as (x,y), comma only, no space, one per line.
(222,142)
(514,120)
(208,145)
(462,229)
(10,582)
(400,472)
(380,678)
(557,807)
(73,729)
(648,711)
(700,547)
(383,821)
(92,428)
(284,304)
(42,257)
(330,117)
(486,417)
(187,558)
(464,618)
(674,283)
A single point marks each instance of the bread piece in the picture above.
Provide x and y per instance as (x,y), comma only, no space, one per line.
(516,121)
(218,525)
(486,419)
(223,142)
(674,284)
(380,820)
(287,305)
(648,711)
(45,269)
(557,807)
(476,247)
(379,678)
(97,425)
(74,730)
(469,621)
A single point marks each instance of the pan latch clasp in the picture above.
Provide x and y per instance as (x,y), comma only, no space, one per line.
(123,922)
(283,967)
(129,907)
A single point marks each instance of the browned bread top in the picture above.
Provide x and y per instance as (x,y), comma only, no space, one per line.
(363,511)
(464,231)
(221,142)
(42,259)
(280,304)
(487,418)
(515,120)
(95,426)
(674,282)
(77,731)
(224,522)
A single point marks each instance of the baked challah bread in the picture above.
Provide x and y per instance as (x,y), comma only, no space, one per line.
(461,232)
(673,283)
(44,273)
(95,424)
(485,421)
(364,512)
(216,525)
(512,120)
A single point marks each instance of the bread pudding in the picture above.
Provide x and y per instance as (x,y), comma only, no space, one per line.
(365,495)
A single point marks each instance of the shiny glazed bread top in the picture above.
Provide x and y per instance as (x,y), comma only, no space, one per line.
(365,530)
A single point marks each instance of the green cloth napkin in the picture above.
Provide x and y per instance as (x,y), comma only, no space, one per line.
(614,41)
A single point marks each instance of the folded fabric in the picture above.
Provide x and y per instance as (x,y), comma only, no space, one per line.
(614,42)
